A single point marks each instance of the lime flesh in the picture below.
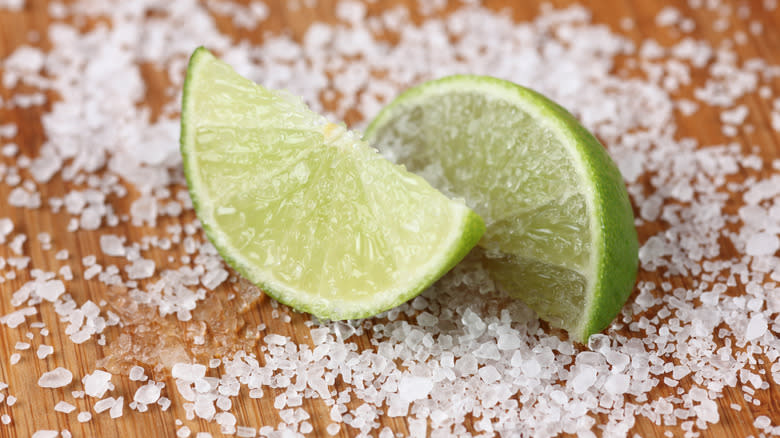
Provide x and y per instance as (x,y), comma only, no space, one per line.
(560,233)
(306,209)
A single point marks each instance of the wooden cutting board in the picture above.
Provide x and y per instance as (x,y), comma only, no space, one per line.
(34,411)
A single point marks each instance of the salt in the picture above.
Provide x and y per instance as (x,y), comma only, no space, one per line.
(64,407)
(756,327)
(188,372)
(56,378)
(97,383)
(111,245)
(412,388)
(147,394)
(44,351)
(136,373)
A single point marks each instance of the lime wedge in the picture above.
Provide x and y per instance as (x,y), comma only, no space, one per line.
(304,208)
(560,233)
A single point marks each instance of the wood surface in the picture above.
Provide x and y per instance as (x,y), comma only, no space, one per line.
(34,409)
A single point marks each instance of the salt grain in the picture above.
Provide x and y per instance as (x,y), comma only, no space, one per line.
(97,383)
(44,351)
(147,394)
(136,373)
(57,378)
(756,327)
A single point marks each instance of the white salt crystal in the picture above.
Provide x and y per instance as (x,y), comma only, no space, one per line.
(204,408)
(224,403)
(140,269)
(164,403)
(21,346)
(55,378)
(762,244)
(246,432)
(183,432)
(45,434)
(707,411)
(44,351)
(10,401)
(583,379)
(188,372)
(225,419)
(104,404)
(14,359)
(50,290)
(84,416)
(488,350)
(412,388)
(117,408)
(137,374)
(5,419)
(97,383)
(274,339)
(147,394)
(333,429)
(489,374)
(214,278)
(756,327)
(203,435)
(617,383)
(509,341)
(64,407)
(112,245)
(531,367)
(762,422)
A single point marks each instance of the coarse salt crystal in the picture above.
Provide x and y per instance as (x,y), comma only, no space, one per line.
(64,407)
(50,290)
(97,383)
(111,245)
(117,408)
(147,394)
(137,374)
(45,434)
(104,404)
(140,269)
(55,378)
(188,372)
(84,416)
(756,327)
(44,351)
(412,388)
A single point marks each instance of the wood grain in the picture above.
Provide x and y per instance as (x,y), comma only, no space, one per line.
(34,409)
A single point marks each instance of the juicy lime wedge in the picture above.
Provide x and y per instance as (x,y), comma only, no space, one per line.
(304,208)
(560,233)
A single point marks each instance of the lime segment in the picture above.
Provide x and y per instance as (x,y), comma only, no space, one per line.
(304,208)
(560,233)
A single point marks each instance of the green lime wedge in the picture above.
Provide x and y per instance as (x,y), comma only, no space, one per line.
(304,208)
(560,233)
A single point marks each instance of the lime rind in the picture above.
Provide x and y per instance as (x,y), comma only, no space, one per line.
(464,227)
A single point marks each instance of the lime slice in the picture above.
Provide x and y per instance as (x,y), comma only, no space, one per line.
(560,233)
(306,209)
